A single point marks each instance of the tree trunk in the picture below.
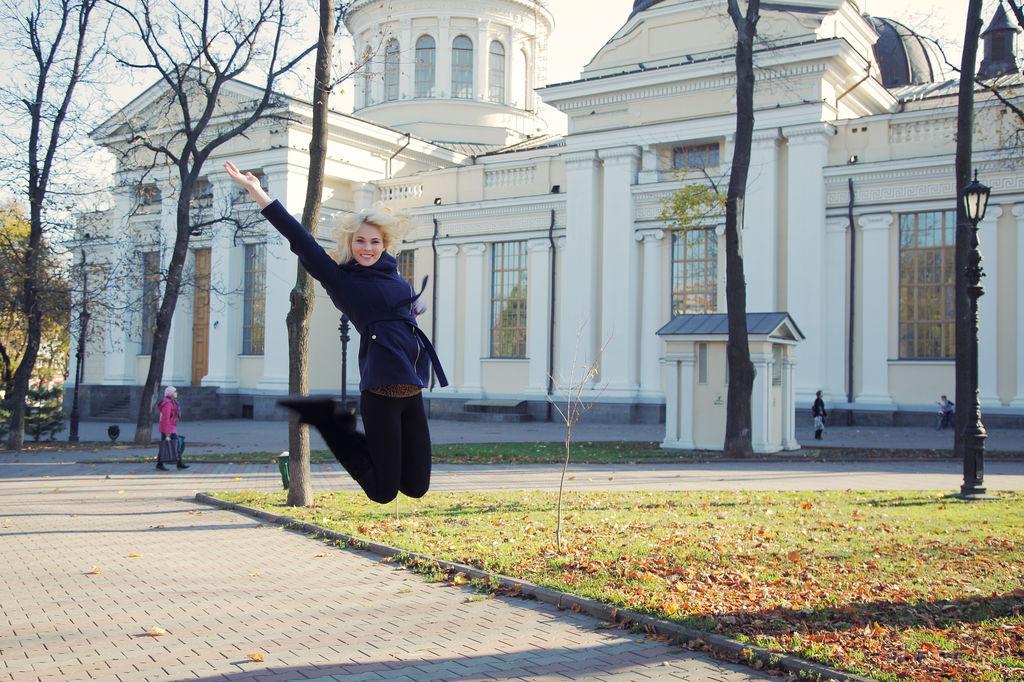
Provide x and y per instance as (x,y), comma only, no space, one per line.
(741,370)
(33,314)
(300,491)
(144,418)
(966,392)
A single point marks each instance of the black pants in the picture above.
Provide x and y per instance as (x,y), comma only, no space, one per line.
(394,452)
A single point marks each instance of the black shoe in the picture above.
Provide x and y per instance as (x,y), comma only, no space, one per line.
(160,466)
(182,465)
(313,410)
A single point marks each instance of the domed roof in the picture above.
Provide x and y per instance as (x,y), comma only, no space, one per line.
(641,5)
(903,57)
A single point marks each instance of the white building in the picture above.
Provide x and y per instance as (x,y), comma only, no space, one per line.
(544,248)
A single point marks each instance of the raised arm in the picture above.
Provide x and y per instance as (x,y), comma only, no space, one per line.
(312,256)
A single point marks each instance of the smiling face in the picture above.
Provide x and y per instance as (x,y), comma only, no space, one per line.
(367,245)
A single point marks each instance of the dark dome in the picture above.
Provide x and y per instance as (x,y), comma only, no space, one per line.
(903,57)
(641,5)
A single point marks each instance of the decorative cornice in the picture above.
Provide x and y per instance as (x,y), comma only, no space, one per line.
(538,245)
(620,154)
(474,250)
(579,160)
(448,250)
(765,137)
(812,132)
(648,236)
(837,224)
(875,221)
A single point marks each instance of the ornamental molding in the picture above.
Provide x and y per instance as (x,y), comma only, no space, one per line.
(579,160)
(813,133)
(875,221)
(538,245)
(448,250)
(474,250)
(1018,212)
(910,186)
(765,137)
(620,154)
(649,236)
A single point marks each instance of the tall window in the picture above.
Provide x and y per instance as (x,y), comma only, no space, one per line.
(391,63)
(254,290)
(407,266)
(927,273)
(150,298)
(496,73)
(202,196)
(425,61)
(696,156)
(508,300)
(462,67)
(367,85)
(694,271)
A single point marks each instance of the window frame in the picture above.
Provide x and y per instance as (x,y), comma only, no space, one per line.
(392,69)
(150,299)
(254,290)
(422,87)
(509,272)
(496,68)
(681,264)
(462,73)
(702,154)
(913,257)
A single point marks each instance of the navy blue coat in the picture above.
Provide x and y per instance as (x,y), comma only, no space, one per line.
(392,348)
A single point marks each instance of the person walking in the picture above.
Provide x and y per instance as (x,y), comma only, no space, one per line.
(819,414)
(947,410)
(170,412)
(393,454)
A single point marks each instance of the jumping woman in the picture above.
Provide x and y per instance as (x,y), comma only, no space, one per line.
(395,356)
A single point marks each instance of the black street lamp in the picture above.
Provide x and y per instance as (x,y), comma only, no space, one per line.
(975,200)
(343,330)
(83,324)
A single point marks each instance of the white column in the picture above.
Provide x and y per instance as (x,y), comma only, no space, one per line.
(1018,399)
(287,183)
(363,194)
(176,366)
(406,59)
(836,313)
(538,314)
(873,315)
(805,247)
(649,165)
(789,441)
(620,285)
(760,402)
(447,291)
(476,319)
(579,314)
(652,314)
(761,223)
(443,64)
(481,47)
(988,310)
(679,402)
(122,337)
(225,301)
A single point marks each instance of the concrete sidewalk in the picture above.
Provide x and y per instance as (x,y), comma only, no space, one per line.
(89,564)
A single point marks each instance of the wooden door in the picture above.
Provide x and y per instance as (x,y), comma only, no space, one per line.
(201,317)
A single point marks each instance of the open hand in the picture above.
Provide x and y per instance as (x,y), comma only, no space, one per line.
(249,182)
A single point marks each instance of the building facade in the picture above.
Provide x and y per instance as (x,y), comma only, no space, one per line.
(549,252)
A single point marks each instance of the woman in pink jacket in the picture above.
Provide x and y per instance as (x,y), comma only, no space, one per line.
(169,413)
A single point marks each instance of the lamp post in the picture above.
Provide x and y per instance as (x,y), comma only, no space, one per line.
(83,323)
(975,198)
(343,330)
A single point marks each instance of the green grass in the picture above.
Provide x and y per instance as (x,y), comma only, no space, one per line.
(892,585)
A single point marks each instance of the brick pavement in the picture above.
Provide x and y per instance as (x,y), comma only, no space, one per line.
(224,586)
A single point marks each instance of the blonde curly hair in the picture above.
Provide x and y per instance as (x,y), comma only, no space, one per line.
(393,227)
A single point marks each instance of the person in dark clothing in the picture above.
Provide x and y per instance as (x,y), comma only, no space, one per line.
(819,414)
(947,411)
(393,453)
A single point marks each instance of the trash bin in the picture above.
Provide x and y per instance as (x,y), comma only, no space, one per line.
(282,464)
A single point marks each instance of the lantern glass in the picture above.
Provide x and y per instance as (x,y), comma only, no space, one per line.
(976,200)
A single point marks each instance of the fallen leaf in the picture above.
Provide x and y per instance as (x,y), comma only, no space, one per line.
(156,631)
(807,505)
(134,555)
(793,556)
(120,492)
(460,579)
(255,657)
(319,556)
(96,570)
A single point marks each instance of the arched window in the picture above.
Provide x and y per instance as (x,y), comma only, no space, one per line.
(425,60)
(496,73)
(524,60)
(391,56)
(462,67)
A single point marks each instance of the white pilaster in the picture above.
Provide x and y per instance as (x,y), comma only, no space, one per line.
(620,285)
(363,195)
(988,310)
(286,183)
(873,323)
(225,301)
(538,314)
(760,402)
(836,311)
(679,402)
(176,366)
(579,321)
(476,319)
(649,165)
(1018,399)
(443,75)
(652,314)
(805,289)
(406,59)
(122,337)
(447,292)
(481,61)
(789,441)
(760,236)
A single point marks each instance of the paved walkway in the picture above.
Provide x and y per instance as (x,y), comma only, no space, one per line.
(91,561)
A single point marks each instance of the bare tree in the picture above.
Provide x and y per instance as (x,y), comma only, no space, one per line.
(196,53)
(741,370)
(55,46)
